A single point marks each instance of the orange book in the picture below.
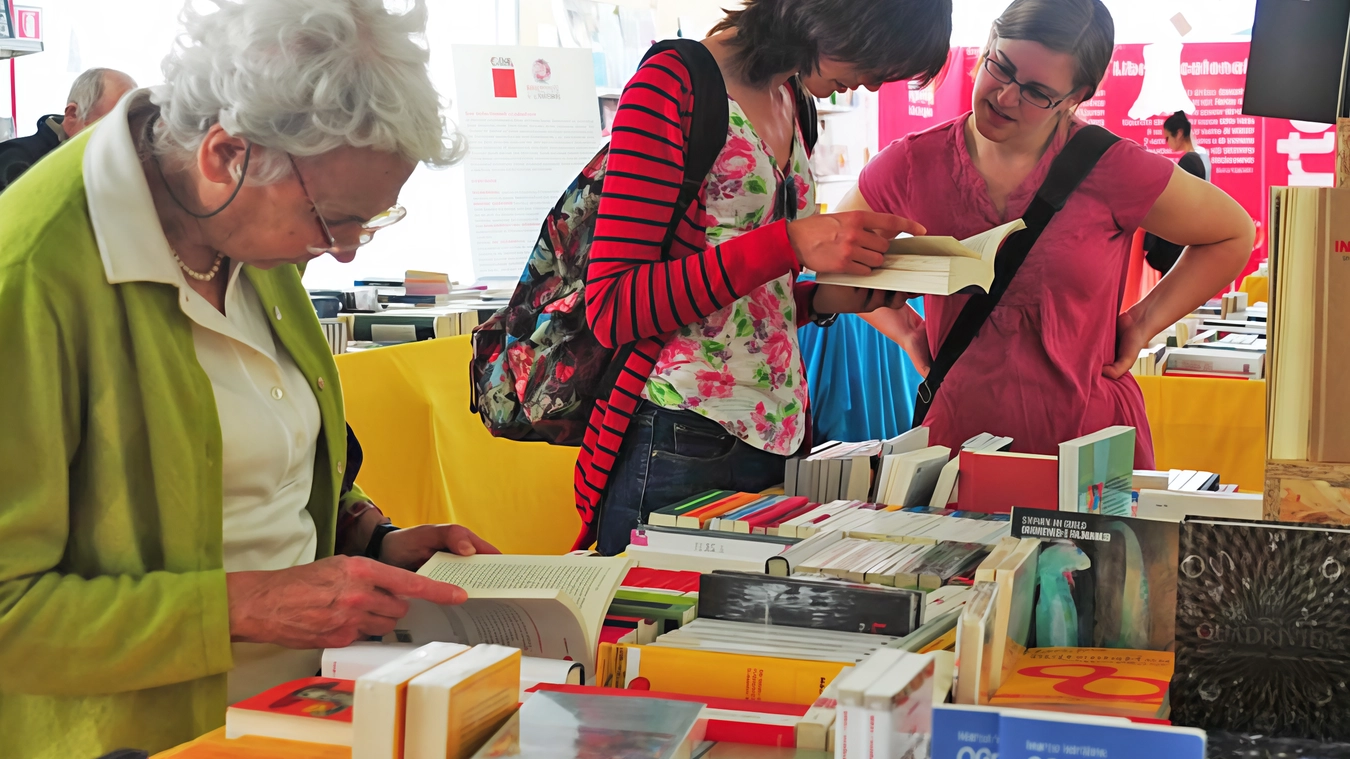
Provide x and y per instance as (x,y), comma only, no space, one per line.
(699,517)
(714,674)
(1106,681)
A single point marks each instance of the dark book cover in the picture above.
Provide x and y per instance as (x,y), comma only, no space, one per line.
(813,604)
(1263,629)
(946,561)
(1104,581)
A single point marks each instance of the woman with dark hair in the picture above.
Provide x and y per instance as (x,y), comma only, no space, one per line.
(713,394)
(1194,159)
(1051,362)
(1162,254)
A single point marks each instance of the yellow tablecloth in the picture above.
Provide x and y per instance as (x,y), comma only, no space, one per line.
(1213,425)
(428,459)
(1257,288)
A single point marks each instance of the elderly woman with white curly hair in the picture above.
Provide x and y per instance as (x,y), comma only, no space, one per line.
(178,518)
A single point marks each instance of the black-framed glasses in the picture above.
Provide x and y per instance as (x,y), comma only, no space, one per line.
(1030,95)
(368,229)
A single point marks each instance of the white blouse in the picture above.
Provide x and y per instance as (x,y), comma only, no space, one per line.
(269,418)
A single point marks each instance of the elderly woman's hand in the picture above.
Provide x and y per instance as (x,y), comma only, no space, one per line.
(410,548)
(327,604)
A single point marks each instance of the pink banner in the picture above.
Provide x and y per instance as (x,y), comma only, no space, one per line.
(1147,83)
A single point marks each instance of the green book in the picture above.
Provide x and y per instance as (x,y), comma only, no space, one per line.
(1096,473)
(668,514)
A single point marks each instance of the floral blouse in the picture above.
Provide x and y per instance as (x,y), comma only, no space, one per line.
(742,366)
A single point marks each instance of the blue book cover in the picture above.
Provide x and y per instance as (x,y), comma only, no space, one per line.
(752,507)
(965,732)
(1022,737)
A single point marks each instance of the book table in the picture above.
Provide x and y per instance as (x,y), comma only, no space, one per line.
(214,745)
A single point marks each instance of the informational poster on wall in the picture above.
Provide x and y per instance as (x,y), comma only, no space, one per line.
(1145,85)
(532,121)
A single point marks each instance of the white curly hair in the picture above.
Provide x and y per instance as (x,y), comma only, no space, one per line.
(303,77)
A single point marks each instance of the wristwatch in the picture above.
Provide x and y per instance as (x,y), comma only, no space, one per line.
(377,540)
(824,320)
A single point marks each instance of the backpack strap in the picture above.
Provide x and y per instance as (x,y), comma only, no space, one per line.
(1069,169)
(708,126)
(806,114)
(707,137)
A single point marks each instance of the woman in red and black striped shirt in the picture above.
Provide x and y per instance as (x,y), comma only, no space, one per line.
(713,394)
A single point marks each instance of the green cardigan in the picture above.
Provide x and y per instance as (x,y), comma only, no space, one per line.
(114,626)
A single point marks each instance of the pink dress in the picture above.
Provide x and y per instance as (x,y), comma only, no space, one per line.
(1034,371)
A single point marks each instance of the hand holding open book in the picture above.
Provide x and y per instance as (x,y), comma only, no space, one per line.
(933,265)
(853,242)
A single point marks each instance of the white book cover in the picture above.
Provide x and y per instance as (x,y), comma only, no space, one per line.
(1176,505)
(380,699)
(899,708)
(850,721)
(915,476)
(783,564)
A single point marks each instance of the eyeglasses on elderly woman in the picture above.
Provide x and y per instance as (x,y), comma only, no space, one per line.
(365,232)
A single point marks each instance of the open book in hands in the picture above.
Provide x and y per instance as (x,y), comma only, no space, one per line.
(934,265)
(550,607)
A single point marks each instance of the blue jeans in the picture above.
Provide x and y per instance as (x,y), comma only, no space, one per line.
(668,456)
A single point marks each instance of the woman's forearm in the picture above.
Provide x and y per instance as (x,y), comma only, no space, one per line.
(897,324)
(906,328)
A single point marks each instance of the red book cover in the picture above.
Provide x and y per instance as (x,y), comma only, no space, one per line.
(994,481)
(661,579)
(805,507)
(323,698)
(773,513)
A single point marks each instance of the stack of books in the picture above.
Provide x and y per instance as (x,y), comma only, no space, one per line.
(1309,413)
(1225,339)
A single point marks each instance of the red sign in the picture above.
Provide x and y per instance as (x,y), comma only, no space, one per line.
(503,77)
(28,23)
(1147,83)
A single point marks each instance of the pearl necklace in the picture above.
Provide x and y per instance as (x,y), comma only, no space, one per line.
(200,277)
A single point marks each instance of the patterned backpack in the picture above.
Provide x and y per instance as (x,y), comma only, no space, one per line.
(537,369)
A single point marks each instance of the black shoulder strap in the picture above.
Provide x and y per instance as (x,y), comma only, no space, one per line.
(1069,169)
(806,114)
(708,126)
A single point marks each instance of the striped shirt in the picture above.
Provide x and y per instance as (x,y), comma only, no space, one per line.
(634,293)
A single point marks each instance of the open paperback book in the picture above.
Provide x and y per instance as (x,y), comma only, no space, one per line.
(550,607)
(934,265)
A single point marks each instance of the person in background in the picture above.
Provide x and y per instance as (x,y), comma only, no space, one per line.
(179,522)
(714,393)
(94,93)
(1161,254)
(1052,361)
(1195,159)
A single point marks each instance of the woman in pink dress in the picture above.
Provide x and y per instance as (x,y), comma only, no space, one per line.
(1052,361)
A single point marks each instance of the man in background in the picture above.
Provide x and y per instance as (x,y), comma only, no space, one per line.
(94,93)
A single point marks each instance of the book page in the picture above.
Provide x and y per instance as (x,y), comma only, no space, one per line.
(546,628)
(986,244)
(983,246)
(589,581)
(930,246)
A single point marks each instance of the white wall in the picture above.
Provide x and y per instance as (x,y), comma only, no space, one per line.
(134,35)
